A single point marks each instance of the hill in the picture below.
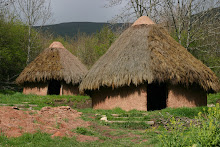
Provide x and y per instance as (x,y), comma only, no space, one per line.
(72,28)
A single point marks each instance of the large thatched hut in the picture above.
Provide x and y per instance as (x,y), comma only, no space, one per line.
(54,71)
(146,69)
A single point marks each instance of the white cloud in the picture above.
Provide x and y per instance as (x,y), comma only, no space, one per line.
(82,11)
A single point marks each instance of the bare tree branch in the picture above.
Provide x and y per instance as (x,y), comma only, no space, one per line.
(32,12)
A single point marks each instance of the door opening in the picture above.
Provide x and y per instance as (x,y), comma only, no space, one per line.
(157,94)
(54,87)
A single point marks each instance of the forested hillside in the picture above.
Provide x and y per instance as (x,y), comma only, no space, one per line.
(71,29)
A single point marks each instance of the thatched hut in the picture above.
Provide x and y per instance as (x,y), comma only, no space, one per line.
(54,71)
(146,69)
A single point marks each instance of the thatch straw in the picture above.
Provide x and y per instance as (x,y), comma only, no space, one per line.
(147,53)
(55,62)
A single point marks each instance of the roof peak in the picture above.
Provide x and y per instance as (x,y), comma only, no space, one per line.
(56,44)
(143,20)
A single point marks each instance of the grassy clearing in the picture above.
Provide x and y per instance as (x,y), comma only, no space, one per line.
(142,116)
(118,134)
(117,137)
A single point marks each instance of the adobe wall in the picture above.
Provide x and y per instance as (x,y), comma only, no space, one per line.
(127,98)
(35,88)
(179,96)
(69,89)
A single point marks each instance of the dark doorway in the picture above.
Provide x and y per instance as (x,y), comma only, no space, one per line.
(156,96)
(54,87)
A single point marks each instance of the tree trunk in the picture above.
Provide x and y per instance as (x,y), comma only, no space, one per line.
(179,23)
(29,45)
(189,24)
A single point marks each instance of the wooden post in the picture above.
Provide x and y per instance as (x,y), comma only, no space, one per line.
(61,89)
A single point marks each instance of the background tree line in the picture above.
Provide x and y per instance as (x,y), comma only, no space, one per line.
(20,42)
(193,23)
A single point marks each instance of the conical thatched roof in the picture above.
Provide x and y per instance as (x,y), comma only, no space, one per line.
(145,52)
(55,62)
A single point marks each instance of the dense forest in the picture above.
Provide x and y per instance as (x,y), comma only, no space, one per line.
(20,43)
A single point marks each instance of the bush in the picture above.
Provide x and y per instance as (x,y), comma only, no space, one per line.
(204,130)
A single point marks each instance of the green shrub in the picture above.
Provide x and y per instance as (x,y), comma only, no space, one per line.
(204,130)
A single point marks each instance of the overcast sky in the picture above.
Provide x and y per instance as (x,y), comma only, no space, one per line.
(82,11)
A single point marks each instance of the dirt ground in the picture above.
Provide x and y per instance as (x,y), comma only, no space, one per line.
(57,121)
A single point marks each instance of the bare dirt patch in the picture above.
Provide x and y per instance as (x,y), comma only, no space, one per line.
(57,121)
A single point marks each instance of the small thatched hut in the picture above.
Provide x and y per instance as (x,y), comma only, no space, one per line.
(54,71)
(146,69)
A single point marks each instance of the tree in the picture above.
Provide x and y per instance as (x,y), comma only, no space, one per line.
(14,37)
(134,9)
(32,12)
(195,25)
(90,48)
(187,17)
(12,40)
(4,5)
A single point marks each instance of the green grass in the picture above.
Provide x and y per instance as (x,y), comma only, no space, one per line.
(212,98)
(43,139)
(8,92)
(83,131)
(12,98)
(143,118)
(178,112)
